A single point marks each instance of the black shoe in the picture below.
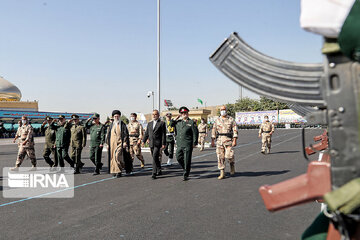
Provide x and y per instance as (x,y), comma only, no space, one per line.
(159,173)
(263,152)
(100,166)
(114,174)
(186,178)
(81,164)
(96,172)
(153,176)
(76,172)
(118,175)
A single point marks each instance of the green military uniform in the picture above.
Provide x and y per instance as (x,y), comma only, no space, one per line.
(97,140)
(62,142)
(186,138)
(170,141)
(50,137)
(77,143)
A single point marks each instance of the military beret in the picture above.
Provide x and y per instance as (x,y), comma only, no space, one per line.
(74,116)
(96,115)
(169,114)
(134,114)
(48,118)
(116,112)
(61,116)
(183,109)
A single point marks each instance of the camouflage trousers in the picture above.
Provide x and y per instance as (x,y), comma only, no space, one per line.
(135,149)
(224,151)
(30,152)
(202,140)
(266,141)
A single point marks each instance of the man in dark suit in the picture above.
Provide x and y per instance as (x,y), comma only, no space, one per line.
(156,134)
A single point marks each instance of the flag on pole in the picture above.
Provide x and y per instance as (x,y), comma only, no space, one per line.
(200,101)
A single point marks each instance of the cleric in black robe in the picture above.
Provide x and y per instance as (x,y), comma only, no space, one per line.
(118,146)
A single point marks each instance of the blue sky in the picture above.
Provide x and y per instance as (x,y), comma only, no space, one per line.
(100,55)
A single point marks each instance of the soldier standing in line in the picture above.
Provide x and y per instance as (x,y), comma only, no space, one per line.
(136,133)
(265,132)
(26,144)
(225,130)
(62,128)
(50,137)
(97,140)
(170,139)
(186,139)
(203,130)
(77,142)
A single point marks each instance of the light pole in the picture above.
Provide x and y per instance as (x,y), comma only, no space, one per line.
(158,55)
(149,94)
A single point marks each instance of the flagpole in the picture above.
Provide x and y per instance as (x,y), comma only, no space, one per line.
(158,54)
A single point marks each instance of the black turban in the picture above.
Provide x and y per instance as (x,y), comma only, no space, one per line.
(116,112)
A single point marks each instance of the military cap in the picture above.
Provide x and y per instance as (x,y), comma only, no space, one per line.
(116,112)
(48,118)
(96,115)
(134,114)
(183,109)
(61,116)
(74,116)
(169,114)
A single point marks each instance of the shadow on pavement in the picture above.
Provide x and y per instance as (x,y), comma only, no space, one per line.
(284,152)
(264,173)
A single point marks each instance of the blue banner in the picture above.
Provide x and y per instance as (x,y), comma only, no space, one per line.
(40,115)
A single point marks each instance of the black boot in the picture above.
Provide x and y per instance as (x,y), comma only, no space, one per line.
(96,172)
(77,170)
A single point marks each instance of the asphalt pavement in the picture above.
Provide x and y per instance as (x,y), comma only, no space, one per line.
(137,207)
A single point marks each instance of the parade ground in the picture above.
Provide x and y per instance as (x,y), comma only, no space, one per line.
(138,207)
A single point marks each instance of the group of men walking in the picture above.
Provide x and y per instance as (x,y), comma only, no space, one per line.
(125,141)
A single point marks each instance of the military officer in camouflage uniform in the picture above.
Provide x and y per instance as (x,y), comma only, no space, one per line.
(226,133)
(265,132)
(203,129)
(26,144)
(77,142)
(50,138)
(97,140)
(186,139)
(62,141)
(136,133)
(170,139)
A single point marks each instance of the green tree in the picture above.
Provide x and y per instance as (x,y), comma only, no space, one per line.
(252,105)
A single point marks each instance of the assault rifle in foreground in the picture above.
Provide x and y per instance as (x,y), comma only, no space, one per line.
(332,87)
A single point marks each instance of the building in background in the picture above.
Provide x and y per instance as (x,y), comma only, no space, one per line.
(12,108)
